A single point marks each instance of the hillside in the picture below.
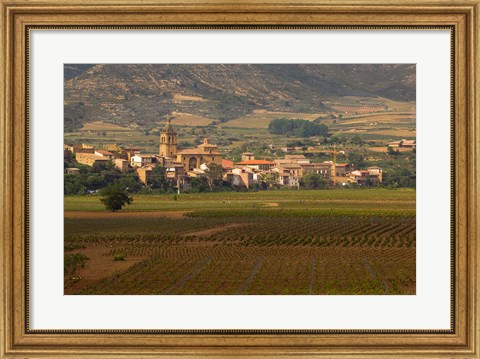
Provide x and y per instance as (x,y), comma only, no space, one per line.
(143,94)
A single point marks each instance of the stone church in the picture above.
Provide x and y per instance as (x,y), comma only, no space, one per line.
(190,158)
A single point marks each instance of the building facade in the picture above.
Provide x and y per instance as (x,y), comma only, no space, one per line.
(192,158)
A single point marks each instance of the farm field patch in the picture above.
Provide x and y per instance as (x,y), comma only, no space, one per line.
(310,242)
(102,126)
(187,119)
(262,119)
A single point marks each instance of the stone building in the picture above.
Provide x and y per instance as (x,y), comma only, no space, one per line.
(256,164)
(247,156)
(168,140)
(121,164)
(192,158)
(90,159)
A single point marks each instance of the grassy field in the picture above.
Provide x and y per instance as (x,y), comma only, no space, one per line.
(271,242)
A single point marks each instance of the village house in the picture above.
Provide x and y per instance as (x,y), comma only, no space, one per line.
(403,144)
(409,144)
(300,159)
(144,174)
(364,178)
(324,169)
(128,153)
(227,165)
(121,164)
(289,174)
(90,159)
(140,160)
(239,177)
(104,153)
(340,169)
(376,171)
(261,165)
(174,171)
(78,148)
(247,156)
(113,147)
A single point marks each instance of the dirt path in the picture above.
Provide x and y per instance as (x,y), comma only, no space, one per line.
(273,204)
(153,214)
(98,266)
(214,230)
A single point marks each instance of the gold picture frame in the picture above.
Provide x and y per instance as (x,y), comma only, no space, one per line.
(18,340)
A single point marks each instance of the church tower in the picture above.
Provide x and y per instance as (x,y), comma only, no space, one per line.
(168,140)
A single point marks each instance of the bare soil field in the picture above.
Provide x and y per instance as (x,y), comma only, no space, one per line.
(187,119)
(102,126)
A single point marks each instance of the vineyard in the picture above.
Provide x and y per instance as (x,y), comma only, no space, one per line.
(323,243)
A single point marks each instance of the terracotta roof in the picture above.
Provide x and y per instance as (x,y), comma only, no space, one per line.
(196,151)
(255,162)
(227,163)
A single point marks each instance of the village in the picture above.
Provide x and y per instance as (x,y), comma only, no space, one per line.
(180,165)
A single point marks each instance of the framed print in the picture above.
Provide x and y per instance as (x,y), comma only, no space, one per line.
(239,179)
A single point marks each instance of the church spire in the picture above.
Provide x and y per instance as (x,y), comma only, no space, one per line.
(168,139)
(168,125)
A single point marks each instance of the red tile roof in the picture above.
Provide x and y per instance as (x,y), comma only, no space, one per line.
(227,163)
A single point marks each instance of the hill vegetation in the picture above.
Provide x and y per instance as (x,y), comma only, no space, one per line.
(297,128)
(143,94)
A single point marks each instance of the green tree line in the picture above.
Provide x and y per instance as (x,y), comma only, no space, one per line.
(297,128)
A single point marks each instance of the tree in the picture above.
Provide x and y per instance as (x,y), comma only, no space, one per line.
(213,174)
(114,197)
(297,128)
(391,151)
(356,140)
(356,159)
(271,180)
(158,179)
(130,182)
(312,181)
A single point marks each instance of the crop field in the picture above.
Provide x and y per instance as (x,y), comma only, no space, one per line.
(102,126)
(262,119)
(273,242)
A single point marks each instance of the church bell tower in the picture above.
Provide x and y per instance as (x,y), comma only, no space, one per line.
(168,140)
